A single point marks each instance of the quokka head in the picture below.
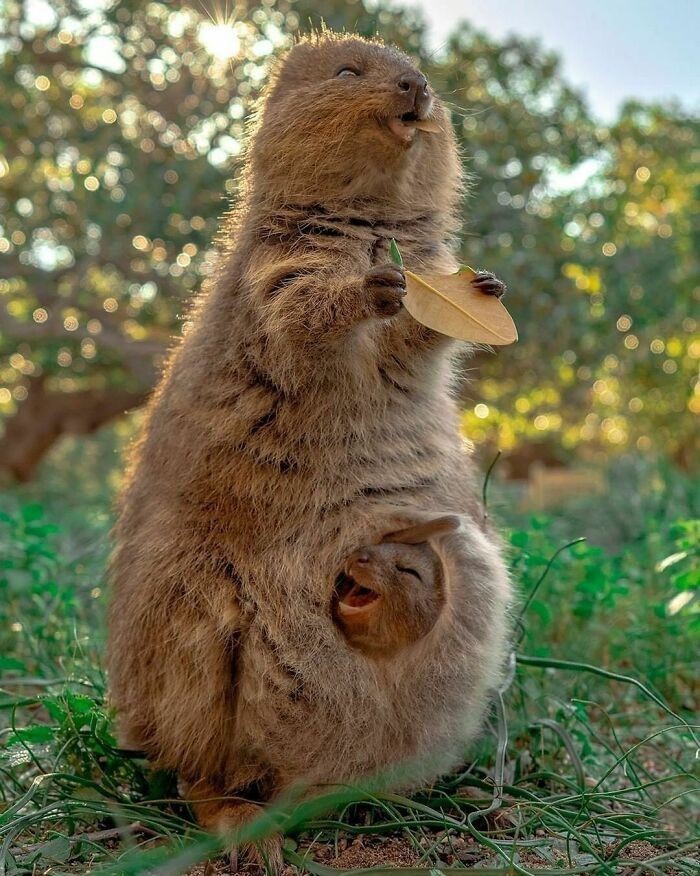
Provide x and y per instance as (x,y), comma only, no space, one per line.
(344,116)
(390,595)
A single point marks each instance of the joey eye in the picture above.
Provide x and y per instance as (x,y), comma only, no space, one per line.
(409,571)
(347,72)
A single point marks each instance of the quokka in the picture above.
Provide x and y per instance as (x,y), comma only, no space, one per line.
(303,412)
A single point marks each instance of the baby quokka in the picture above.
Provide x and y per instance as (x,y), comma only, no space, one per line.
(390,595)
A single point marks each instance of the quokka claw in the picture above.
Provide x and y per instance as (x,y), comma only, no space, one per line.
(387,286)
(489,284)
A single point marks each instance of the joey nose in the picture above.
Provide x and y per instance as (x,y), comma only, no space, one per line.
(357,562)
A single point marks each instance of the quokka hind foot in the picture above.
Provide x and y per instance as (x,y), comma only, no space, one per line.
(224,816)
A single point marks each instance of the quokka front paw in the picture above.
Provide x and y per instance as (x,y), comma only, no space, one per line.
(489,284)
(386,285)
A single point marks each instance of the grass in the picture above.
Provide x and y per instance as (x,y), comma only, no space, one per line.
(588,764)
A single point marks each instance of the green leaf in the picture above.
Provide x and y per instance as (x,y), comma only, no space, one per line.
(34,735)
(395,254)
(12,664)
(689,580)
(54,706)
(32,512)
(79,704)
(519,539)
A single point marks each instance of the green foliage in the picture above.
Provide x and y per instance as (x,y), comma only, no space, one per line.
(113,168)
(587,586)
(604,276)
(631,589)
(581,762)
(684,563)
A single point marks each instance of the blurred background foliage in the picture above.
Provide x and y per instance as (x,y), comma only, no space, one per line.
(122,126)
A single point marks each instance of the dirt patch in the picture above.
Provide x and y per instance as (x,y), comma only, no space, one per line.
(363,852)
(639,850)
(210,868)
(220,867)
(533,860)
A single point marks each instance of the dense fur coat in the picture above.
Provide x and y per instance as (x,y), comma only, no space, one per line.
(298,420)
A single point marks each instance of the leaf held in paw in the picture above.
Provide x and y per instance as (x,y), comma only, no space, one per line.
(449,304)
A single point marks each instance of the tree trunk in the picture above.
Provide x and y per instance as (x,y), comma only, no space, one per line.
(46,416)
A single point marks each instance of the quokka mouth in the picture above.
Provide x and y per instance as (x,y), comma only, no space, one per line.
(353,596)
(405,126)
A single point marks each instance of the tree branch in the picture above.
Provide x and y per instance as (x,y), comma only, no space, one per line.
(45,416)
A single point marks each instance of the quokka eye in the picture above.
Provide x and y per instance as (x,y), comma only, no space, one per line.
(406,570)
(347,72)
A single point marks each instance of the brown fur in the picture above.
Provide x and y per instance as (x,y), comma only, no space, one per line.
(389,596)
(292,423)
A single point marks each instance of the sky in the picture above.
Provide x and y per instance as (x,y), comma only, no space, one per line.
(612,49)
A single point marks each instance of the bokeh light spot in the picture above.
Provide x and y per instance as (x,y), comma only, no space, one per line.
(219,40)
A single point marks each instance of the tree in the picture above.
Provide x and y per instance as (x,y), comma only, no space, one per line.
(115,129)
(119,135)
(609,354)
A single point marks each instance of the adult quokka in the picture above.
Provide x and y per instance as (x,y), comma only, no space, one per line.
(303,414)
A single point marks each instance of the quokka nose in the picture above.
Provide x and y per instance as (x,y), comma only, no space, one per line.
(413,84)
(356,562)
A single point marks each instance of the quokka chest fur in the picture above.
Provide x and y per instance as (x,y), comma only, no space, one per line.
(303,414)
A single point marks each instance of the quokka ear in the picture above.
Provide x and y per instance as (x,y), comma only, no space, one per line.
(425,531)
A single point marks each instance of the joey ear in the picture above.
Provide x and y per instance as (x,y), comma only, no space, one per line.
(423,532)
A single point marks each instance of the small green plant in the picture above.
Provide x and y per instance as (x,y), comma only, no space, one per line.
(683,568)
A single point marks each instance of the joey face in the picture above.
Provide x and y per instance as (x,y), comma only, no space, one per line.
(390,595)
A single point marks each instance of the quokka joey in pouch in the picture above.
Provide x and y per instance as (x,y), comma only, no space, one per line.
(303,414)
(389,596)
